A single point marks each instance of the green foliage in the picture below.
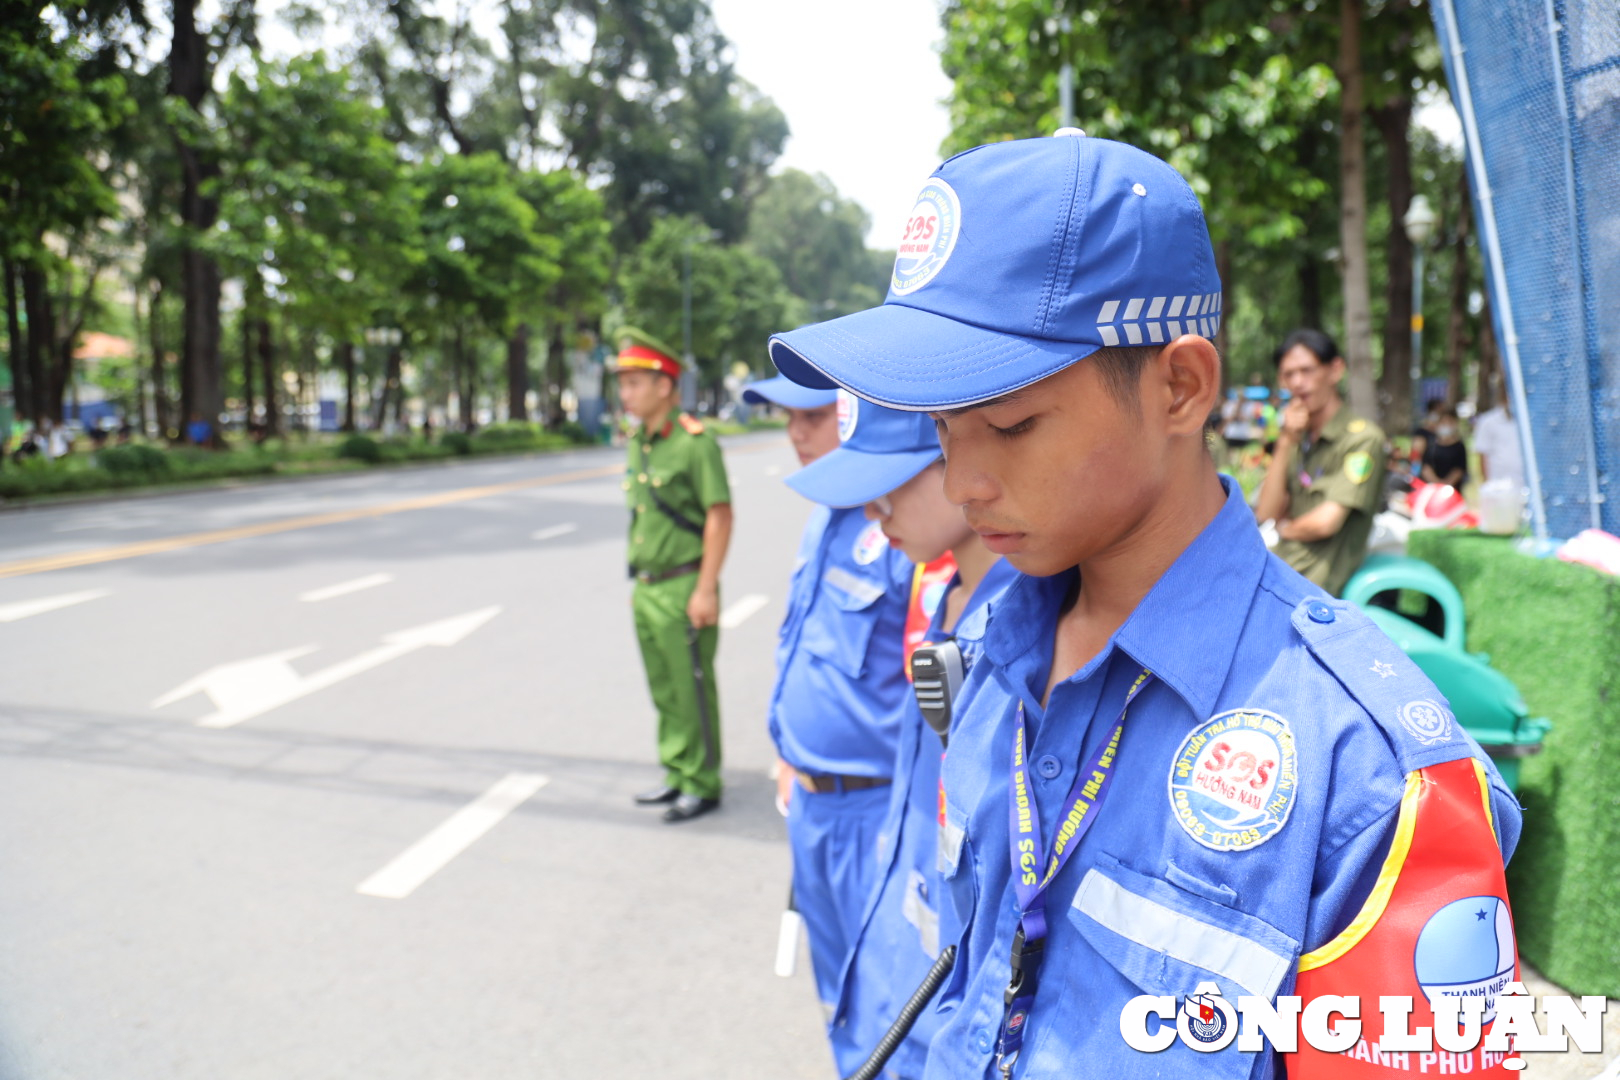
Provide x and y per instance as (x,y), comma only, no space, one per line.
(361,448)
(57,117)
(485,257)
(456,442)
(137,458)
(738,299)
(816,239)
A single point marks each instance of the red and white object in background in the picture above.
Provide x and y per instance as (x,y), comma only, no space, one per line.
(1438,506)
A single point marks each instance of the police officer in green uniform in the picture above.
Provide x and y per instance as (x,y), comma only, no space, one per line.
(1325,481)
(680,525)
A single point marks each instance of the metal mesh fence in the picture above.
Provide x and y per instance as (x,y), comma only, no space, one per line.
(1537,83)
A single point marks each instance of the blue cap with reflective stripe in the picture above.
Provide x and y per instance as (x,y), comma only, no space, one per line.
(1017,260)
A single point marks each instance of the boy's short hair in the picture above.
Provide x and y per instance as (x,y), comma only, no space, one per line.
(1121,369)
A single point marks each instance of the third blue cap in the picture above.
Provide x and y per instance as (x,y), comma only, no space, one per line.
(878,450)
(1018,259)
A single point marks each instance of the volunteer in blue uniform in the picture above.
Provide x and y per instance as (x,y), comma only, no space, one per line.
(1181,769)
(835,710)
(899,476)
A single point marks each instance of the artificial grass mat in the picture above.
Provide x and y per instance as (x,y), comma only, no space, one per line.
(1554,629)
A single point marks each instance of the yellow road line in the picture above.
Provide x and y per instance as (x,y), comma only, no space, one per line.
(308,521)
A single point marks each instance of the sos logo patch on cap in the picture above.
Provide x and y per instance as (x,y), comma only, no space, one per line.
(929,237)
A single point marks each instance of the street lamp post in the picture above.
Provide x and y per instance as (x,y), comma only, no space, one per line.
(689,375)
(1419,221)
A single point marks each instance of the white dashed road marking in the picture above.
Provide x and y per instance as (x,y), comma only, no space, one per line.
(738,613)
(344,588)
(434,851)
(551,532)
(22,609)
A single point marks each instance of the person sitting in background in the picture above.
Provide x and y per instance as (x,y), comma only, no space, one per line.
(1445,458)
(1423,434)
(1319,487)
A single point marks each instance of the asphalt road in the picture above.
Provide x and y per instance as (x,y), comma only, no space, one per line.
(384,680)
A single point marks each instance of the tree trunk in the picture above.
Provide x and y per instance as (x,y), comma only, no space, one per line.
(346,359)
(1357,344)
(21,393)
(517,374)
(267,370)
(556,373)
(1493,387)
(37,341)
(1457,309)
(247,372)
(190,75)
(1223,268)
(154,333)
(1395,388)
(465,366)
(1310,291)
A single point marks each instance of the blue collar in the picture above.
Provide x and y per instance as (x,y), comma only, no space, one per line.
(1185,630)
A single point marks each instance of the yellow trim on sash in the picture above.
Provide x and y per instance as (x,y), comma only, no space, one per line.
(1378,899)
(1484,792)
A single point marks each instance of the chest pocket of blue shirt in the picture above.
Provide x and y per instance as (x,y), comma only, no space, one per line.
(840,631)
(959,879)
(1165,940)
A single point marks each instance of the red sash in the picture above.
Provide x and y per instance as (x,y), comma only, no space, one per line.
(1437,921)
(923,590)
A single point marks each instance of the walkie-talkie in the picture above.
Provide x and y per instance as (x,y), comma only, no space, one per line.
(936,678)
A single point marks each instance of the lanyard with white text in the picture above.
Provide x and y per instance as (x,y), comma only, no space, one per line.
(1091,785)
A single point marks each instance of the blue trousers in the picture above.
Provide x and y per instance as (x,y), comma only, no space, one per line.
(835,860)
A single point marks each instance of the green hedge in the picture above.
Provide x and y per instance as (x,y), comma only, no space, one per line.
(140,465)
(1554,629)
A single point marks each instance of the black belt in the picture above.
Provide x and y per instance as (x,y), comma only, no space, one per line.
(827,785)
(652,577)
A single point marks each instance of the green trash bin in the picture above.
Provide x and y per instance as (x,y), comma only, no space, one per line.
(1485,701)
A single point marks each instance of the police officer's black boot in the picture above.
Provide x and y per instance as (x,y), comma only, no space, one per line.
(658,796)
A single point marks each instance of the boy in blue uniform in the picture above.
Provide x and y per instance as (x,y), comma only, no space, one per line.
(840,693)
(895,470)
(1179,768)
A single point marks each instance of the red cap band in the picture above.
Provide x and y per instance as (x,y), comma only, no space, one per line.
(645,359)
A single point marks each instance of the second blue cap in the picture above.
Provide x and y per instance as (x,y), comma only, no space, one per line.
(879,449)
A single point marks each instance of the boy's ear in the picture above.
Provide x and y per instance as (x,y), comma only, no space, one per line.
(1191,372)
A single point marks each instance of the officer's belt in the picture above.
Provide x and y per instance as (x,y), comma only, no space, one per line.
(652,577)
(830,784)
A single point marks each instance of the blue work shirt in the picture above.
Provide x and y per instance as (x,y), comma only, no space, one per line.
(902,927)
(840,683)
(1144,906)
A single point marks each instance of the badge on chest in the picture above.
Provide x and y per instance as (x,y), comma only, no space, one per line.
(1232,782)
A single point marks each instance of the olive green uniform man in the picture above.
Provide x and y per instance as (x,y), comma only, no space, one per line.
(680,525)
(1326,479)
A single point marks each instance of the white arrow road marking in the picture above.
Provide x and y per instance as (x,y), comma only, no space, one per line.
(344,588)
(430,854)
(245,689)
(738,613)
(22,609)
(551,532)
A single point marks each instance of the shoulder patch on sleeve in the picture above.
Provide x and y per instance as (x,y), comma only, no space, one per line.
(692,424)
(1416,718)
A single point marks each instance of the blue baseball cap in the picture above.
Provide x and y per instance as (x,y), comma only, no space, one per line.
(1018,259)
(783,391)
(878,450)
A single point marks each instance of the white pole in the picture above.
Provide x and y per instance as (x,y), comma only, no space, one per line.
(1493,251)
